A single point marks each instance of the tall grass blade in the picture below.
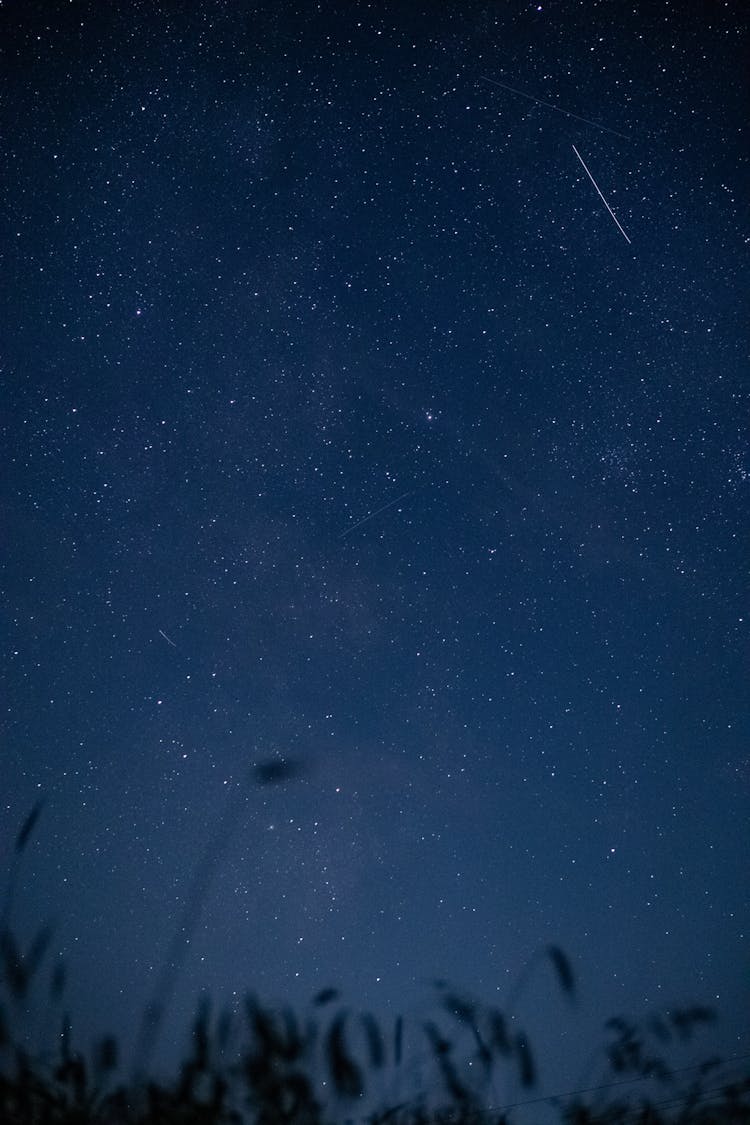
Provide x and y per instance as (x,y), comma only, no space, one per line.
(14,969)
(224,1029)
(686,1018)
(39,947)
(526,1065)
(345,1074)
(325,996)
(294,1043)
(463,1010)
(398,1041)
(563,969)
(466,1012)
(500,1038)
(106,1055)
(201,1036)
(65,1033)
(375,1044)
(262,1026)
(441,1049)
(28,827)
(57,982)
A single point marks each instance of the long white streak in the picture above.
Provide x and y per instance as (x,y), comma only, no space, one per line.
(604,201)
(557,108)
(371,515)
(167,639)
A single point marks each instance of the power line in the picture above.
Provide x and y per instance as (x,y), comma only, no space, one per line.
(673,1100)
(612,1085)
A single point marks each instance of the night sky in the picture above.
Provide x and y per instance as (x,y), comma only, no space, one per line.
(344,423)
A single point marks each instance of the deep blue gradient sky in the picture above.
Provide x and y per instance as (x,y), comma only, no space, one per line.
(341,422)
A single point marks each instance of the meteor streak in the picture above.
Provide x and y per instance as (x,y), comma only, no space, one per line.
(604,201)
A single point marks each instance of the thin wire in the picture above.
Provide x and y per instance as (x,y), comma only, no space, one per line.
(371,515)
(549,105)
(612,1085)
(635,1113)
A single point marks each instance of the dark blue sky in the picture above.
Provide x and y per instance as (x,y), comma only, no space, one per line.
(341,422)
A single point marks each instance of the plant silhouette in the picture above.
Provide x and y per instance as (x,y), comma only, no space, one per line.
(270,1067)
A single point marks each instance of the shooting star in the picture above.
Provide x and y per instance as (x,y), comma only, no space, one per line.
(371,515)
(557,109)
(167,639)
(604,201)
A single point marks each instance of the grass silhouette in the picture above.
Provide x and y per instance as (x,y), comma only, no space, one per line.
(278,1067)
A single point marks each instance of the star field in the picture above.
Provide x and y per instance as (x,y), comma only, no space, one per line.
(343,425)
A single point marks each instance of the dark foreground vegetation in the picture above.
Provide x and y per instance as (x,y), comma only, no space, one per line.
(255,1066)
